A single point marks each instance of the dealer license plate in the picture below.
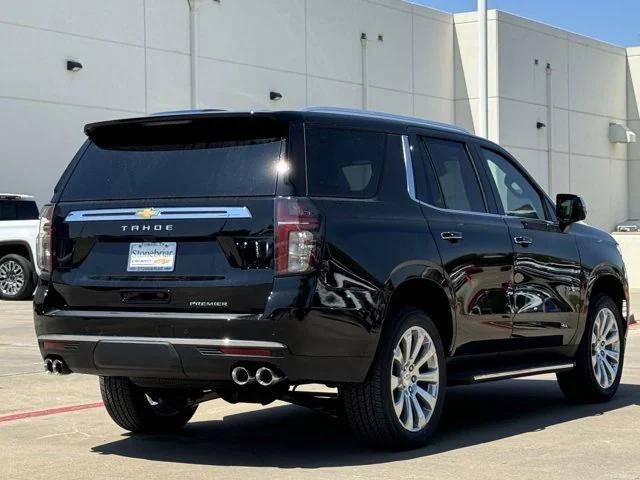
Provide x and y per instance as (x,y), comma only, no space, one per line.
(152,257)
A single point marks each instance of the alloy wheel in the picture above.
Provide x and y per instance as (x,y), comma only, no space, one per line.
(605,348)
(12,278)
(414,378)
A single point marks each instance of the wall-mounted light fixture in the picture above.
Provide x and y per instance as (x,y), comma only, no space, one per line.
(540,125)
(74,66)
(620,134)
(275,96)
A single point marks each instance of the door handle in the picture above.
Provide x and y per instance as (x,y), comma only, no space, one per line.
(524,241)
(451,236)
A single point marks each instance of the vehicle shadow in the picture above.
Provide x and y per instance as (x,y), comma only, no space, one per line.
(293,437)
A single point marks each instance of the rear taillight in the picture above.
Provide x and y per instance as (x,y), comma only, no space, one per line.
(297,236)
(44,242)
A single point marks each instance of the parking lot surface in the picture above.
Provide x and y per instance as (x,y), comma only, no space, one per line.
(55,427)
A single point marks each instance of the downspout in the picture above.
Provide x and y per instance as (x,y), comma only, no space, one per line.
(194,5)
(365,72)
(483,81)
(549,132)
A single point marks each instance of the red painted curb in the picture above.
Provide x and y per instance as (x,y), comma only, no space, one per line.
(49,411)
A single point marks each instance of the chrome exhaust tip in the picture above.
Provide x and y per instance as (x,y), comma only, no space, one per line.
(267,377)
(241,376)
(59,367)
(48,365)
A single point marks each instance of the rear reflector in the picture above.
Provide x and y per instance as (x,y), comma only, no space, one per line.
(53,345)
(59,345)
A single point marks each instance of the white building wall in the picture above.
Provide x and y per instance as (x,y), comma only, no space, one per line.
(633,115)
(588,91)
(42,106)
(136,60)
(466,72)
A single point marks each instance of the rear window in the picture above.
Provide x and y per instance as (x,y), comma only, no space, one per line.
(344,163)
(18,210)
(174,159)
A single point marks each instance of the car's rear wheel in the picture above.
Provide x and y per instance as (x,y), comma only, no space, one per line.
(142,412)
(600,357)
(16,278)
(400,403)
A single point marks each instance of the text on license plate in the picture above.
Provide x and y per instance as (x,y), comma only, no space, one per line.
(152,257)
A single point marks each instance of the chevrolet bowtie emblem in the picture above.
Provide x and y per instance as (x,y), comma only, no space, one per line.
(147,213)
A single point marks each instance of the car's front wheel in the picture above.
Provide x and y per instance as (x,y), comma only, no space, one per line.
(600,356)
(142,412)
(400,403)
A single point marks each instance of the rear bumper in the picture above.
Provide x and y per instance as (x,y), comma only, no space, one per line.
(317,347)
(196,359)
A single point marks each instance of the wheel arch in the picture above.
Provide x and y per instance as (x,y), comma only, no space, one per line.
(609,280)
(423,287)
(16,247)
(610,283)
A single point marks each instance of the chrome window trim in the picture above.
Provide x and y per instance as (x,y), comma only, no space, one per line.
(172,315)
(411,186)
(211,342)
(408,166)
(163,213)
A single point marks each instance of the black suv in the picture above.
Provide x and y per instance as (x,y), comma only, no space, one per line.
(199,255)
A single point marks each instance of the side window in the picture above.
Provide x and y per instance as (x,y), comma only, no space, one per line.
(456,175)
(8,210)
(518,197)
(426,181)
(344,163)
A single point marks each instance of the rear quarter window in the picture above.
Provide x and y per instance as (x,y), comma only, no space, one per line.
(344,163)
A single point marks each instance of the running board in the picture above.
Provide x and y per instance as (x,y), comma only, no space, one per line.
(524,372)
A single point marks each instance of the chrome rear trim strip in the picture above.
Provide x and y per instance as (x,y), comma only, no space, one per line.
(408,167)
(159,213)
(170,315)
(211,342)
(525,371)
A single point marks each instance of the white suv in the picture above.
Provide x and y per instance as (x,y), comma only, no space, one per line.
(18,234)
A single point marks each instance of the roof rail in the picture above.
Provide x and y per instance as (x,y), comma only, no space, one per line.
(385,116)
(185,112)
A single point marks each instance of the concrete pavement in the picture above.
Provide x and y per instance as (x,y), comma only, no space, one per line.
(512,429)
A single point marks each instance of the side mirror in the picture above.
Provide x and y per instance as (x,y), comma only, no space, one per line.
(569,209)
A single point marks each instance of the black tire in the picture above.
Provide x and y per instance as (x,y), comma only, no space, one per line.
(580,385)
(20,266)
(129,407)
(369,406)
